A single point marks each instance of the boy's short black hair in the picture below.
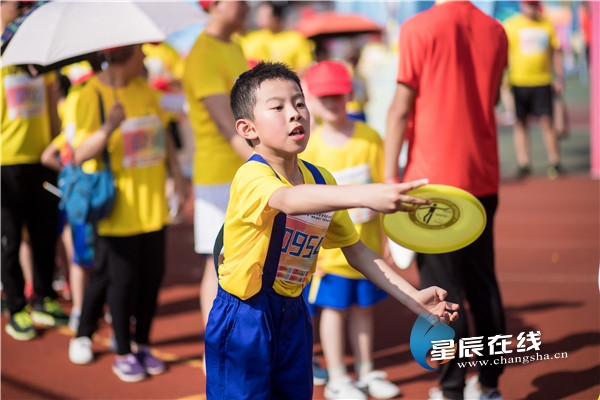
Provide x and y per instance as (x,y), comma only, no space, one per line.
(243,95)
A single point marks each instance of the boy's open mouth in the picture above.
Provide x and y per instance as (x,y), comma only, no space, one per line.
(299,130)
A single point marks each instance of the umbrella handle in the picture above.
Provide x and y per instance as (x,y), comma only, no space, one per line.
(111,78)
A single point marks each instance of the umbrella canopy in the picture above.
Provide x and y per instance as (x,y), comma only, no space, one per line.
(335,24)
(66,29)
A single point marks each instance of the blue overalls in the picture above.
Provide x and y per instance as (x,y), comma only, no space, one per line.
(261,348)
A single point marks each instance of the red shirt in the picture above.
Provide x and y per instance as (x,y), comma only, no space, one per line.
(453,55)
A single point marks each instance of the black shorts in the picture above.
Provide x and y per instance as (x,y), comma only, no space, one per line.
(533,101)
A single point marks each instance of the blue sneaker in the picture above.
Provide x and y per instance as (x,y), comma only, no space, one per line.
(320,375)
(128,368)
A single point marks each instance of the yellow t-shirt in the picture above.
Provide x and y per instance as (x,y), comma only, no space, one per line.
(137,155)
(530,47)
(25,130)
(211,68)
(289,47)
(255,45)
(359,161)
(248,226)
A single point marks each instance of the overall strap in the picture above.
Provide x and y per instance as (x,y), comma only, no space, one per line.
(315,173)
(277,234)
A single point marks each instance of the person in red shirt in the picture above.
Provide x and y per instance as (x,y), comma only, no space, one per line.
(451,61)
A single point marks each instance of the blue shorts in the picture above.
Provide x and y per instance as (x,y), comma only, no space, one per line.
(83,245)
(258,349)
(341,293)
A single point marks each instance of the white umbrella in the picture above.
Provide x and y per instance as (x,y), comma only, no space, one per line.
(64,29)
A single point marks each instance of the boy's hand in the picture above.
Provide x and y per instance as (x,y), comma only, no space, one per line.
(390,198)
(432,299)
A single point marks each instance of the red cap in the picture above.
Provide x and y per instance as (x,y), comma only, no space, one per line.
(328,78)
(205,3)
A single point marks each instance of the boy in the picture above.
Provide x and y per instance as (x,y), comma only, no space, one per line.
(353,152)
(259,336)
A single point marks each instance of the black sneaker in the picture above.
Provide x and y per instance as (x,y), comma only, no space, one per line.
(49,313)
(554,171)
(20,326)
(523,172)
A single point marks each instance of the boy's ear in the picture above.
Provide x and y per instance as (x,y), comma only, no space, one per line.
(245,128)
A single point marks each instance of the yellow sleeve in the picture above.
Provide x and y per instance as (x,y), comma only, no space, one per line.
(202,72)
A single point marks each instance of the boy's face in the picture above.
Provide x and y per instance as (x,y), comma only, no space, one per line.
(281,119)
(332,108)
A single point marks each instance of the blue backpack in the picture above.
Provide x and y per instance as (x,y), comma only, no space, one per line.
(87,198)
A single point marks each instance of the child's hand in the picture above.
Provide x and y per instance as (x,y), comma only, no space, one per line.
(389,198)
(432,299)
(116,115)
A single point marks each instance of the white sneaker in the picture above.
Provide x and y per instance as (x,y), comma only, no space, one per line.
(80,350)
(435,394)
(378,386)
(473,391)
(343,388)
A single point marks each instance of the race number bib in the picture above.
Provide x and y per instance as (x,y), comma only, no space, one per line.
(359,175)
(25,97)
(301,243)
(533,41)
(144,142)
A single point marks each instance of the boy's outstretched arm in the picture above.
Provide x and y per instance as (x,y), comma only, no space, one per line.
(429,300)
(313,199)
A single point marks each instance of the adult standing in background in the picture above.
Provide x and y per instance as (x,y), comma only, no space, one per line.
(534,55)
(29,120)
(451,61)
(211,68)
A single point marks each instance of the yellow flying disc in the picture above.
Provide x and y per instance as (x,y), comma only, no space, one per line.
(453,220)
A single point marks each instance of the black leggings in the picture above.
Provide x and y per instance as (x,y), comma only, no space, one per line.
(130,271)
(469,274)
(26,202)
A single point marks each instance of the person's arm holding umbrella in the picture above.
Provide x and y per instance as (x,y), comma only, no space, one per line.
(96,142)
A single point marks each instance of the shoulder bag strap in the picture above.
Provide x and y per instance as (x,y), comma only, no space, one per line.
(105,155)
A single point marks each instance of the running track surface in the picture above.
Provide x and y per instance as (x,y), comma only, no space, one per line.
(548,258)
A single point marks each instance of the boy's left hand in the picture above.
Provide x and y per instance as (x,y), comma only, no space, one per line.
(432,299)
